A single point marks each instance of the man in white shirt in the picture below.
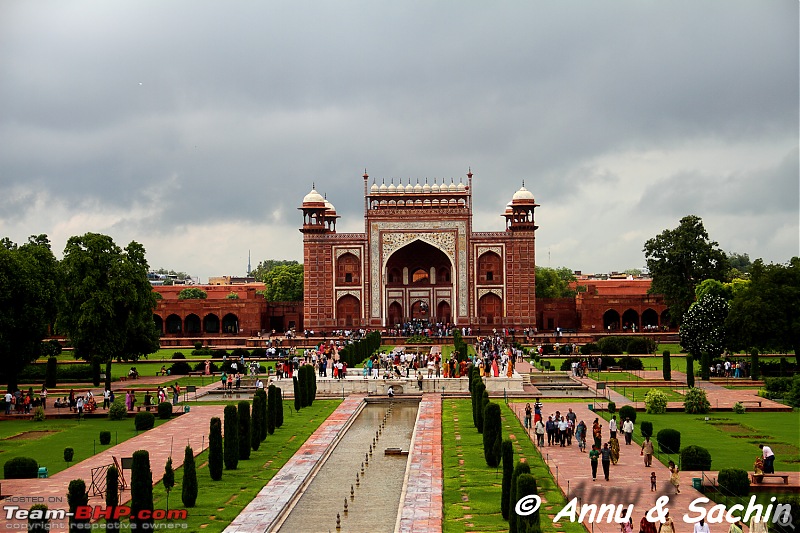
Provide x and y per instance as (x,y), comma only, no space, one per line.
(769,458)
(627,429)
(612,426)
(7,399)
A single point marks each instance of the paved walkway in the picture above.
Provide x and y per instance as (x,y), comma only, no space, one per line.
(629,479)
(167,439)
(262,513)
(421,508)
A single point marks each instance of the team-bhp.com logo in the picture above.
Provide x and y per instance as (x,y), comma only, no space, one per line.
(93,512)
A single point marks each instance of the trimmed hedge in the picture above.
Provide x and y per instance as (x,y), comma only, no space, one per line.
(21,468)
(144,421)
(669,440)
(492,435)
(105,437)
(667,365)
(164,410)
(118,410)
(508,471)
(69,453)
(141,490)
(734,482)
(215,449)
(231,452)
(519,469)
(627,411)
(695,458)
(646,429)
(189,483)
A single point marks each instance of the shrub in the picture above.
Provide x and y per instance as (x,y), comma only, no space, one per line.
(76,497)
(219,353)
(519,469)
(689,370)
(215,449)
(738,408)
(640,345)
(39,415)
(492,435)
(646,429)
(508,471)
(612,345)
(105,437)
(201,367)
(144,421)
(244,429)
(667,365)
(141,490)
(778,386)
(37,518)
(21,468)
(612,407)
(69,453)
(734,482)
(695,401)
(164,410)
(566,364)
(655,401)
(298,399)
(627,411)
(179,368)
(669,441)
(258,353)
(237,353)
(695,458)
(793,395)
(189,484)
(192,293)
(630,363)
(231,452)
(51,373)
(526,486)
(589,348)
(117,410)
(112,496)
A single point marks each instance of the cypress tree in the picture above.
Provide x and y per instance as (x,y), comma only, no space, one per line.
(169,478)
(256,419)
(298,402)
(112,496)
(215,449)
(278,407)
(482,400)
(310,381)
(492,435)
(77,496)
(508,471)
(667,364)
(526,486)
(244,430)
(272,407)
(689,370)
(302,387)
(231,451)
(189,484)
(263,428)
(141,490)
(51,373)
(519,469)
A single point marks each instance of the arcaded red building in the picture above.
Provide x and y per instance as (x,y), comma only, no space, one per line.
(418,258)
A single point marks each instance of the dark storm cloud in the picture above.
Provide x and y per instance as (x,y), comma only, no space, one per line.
(190,114)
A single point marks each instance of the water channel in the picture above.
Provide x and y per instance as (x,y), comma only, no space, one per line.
(375,498)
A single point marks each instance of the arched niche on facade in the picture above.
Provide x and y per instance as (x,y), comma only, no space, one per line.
(418,257)
(490,269)
(211,323)
(230,323)
(630,320)
(174,324)
(348,270)
(443,312)
(611,320)
(159,322)
(348,311)
(490,308)
(191,324)
(395,314)
(665,318)
(420,310)
(649,319)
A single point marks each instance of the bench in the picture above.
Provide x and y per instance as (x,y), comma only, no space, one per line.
(758,478)
(614,368)
(750,401)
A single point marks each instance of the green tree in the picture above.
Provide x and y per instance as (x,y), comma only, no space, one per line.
(189,483)
(231,454)
(215,449)
(554,282)
(28,275)
(678,259)
(508,471)
(689,370)
(492,435)
(244,430)
(256,420)
(192,293)
(264,267)
(272,405)
(169,478)
(703,330)
(107,302)
(526,486)
(112,496)
(765,313)
(520,468)
(77,496)
(284,283)
(740,265)
(141,490)
(667,366)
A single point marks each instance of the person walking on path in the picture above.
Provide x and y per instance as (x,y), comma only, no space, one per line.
(647,451)
(646,526)
(627,429)
(597,433)
(605,454)
(701,527)
(668,526)
(612,426)
(539,430)
(528,415)
(614,445)
(674,477)
(593,455)
(580,434)
(769,458)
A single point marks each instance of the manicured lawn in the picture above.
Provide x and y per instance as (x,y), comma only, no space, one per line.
(614,376)
(219,502)
(636,394)
(48,448)
(471,489)
(733,439)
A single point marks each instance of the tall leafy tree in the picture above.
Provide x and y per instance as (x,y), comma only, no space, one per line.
(765,313)
(679,259)
(260,272)
(28,297)
(554,282)
(107,302)
(703,332)
(284,283)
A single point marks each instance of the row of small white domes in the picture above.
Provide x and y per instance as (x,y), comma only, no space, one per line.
(453,187)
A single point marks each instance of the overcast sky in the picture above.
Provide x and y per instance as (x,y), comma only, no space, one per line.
(196,127)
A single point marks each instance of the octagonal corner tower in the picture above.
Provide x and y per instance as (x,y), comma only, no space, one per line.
(418,259)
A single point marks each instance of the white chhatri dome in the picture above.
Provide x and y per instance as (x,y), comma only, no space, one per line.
(523,194)
(313,197)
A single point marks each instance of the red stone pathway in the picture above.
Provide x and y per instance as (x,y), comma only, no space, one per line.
(173,436)
(421,503)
